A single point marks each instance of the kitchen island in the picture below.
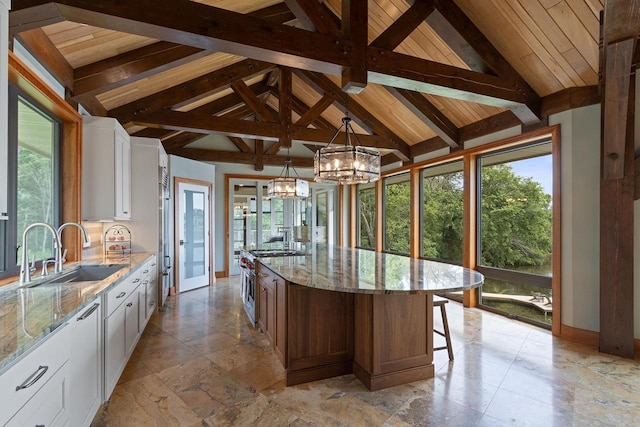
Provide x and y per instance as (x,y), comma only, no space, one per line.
(342,310)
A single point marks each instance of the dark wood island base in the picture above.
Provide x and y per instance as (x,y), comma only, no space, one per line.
(385,340)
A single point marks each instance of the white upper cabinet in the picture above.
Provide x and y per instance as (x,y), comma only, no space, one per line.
(106,170)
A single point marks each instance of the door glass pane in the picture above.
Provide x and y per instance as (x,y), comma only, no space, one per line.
(321,228)
(397,220)
(367,216)
(37,182)
(442,212)
(194,232)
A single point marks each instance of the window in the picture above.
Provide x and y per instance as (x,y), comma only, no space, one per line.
(442,212)
(367,216)
(34,181)
(515,231)
(397,220)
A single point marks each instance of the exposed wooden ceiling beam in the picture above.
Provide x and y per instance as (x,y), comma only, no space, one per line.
(128,67)
(429,114)
(404,26)
(39,45)
(324,85)
(237,157)
(196,122)
(424,147)
(259,155)
(252,101)
(403,71)
(619,33)
(275,147)
(189,91)
(146,61)
(285,90)
(206,27)
(316,110)
(355,27)
(180,139)
(239,142)
(313,16)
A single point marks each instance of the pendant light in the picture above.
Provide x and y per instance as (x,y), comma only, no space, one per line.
(348,163)
(288,187)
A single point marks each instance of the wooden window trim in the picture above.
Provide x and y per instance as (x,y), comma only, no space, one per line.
(70,149)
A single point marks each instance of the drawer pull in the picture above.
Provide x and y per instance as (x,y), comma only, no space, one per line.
(88,313)
(137,280)
(145,282)
(130,305)
(33,378)
(145,272)
(120,295)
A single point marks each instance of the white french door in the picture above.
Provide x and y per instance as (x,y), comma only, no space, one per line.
(193,234)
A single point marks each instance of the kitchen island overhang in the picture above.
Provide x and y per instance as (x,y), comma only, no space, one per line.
(343,310)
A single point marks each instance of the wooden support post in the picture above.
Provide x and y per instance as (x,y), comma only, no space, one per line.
(616,248)
(259,154)
(415,240)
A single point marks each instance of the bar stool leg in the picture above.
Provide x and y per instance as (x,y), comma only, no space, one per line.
(445,324)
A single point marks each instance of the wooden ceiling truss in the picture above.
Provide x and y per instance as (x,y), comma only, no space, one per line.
(322,44)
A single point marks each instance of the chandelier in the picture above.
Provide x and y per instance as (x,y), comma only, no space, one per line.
(287,187)
(346,164)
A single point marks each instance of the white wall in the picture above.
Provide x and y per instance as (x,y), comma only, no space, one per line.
(580,189)
(191,169)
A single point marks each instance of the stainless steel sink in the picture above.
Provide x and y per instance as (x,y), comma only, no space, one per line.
(84,273)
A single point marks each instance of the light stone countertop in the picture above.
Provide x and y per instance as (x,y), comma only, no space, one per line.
(29,314)
(342,269)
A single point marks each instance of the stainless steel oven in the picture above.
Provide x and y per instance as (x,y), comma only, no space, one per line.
(248,283)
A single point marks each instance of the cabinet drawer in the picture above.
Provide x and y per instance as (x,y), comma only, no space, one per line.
(49,406)
(117,295)
(23,380)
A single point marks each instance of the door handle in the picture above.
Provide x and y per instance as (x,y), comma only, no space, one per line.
(182,242)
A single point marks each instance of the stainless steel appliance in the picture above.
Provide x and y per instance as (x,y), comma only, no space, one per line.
(248,275)
(248,285)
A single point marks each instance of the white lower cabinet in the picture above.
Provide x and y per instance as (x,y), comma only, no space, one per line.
(35,391)
(132,322)
(115,354)
(86,365)
(122,328)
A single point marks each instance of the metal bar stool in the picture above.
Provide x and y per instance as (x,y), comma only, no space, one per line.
(440,302)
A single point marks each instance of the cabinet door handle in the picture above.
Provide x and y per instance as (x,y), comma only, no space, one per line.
(137,280)
(33,378)
(130,305)
(121,294)
(145,272)
(88,313)
(145,282)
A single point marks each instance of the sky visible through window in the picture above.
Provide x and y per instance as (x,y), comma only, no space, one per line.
(540,169)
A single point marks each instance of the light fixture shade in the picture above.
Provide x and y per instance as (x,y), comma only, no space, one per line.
(288,188)
(347,164)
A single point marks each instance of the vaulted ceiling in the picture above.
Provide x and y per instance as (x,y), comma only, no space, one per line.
(422,75)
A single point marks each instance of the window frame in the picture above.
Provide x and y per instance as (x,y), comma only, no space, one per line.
(421,216)
(70,153)
(12,241)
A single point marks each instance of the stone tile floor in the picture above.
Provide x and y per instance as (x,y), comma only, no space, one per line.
(199,363)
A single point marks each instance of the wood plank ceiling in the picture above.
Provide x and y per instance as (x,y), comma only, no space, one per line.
(431,73)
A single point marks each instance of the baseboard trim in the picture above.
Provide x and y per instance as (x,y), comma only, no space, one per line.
(221,274)
(587,337)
